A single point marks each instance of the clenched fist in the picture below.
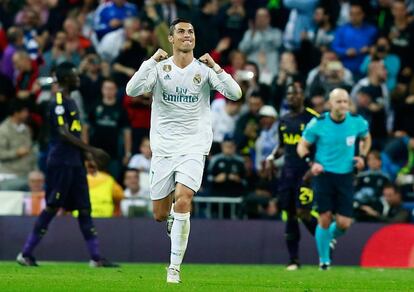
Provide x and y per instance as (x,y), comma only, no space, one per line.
(160,55)
(208,60)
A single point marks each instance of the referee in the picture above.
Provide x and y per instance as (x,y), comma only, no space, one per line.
(335,135)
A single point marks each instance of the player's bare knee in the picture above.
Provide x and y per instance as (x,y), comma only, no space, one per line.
(344,224)
(325,219)
(160,216)
(183,203)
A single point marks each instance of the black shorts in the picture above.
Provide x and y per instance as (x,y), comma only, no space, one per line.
(334,192)
(292,191)
(67,187)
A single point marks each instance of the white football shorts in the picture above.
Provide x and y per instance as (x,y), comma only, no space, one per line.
(165,172)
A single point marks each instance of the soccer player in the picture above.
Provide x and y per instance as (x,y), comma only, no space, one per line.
(335,135)
(295,195)
(66,185)
(181,133)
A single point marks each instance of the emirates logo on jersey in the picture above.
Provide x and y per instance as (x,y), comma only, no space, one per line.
(197,79)
(166,68)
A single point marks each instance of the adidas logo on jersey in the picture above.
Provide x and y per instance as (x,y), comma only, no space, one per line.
(167,77)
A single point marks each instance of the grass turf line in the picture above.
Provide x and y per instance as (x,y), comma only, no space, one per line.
(52,276)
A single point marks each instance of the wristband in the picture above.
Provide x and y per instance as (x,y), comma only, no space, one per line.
(307,158)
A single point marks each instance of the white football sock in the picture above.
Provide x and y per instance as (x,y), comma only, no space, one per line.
(179,238)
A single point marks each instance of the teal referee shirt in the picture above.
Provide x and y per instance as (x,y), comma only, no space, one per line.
(335,141)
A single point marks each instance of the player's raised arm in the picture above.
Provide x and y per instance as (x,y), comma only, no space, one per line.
(220,80)
(144,79)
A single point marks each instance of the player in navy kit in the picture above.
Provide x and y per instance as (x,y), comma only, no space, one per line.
(66,184)
(294,192)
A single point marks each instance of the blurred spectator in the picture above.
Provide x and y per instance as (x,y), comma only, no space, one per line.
(35,203)
(332,75)
(142,162)
(104,192)
(17,155)
(401,35)
(268,136)
(233,21)
(395,155)
(136,202)
(382,14)
(7,93)
(35,34)
(259,204)
(40,6)
(112,43)
(300,21)
(27,74)
(133,53)
(404,113)
(168,10)
(58,54)
(316,78)
(224,115)
(107,122)
(390,208)
(261,44)
(15,43)
(316,40)
(352,40)
(226,173)
(75,41)
(249,81)
(247,126)
(372,99)
(206,25)
(288,72)
(237,62)
(369,184)
(139,114)
(93,72)
(380,51)
(110,15)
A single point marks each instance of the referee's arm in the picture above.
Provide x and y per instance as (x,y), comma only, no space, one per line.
(303,148)
(364,147)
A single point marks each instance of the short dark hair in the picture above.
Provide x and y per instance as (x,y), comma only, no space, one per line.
(392,186)
(131,169)
(63,70)
(17,105)
(176,21)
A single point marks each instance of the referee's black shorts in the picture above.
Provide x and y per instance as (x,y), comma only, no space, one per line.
(334,192)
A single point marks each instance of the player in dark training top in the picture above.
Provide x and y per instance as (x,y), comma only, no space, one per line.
(294,192)
(66,184)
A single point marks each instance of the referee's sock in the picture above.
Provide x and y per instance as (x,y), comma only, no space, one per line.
(334,231)
(179,238)
(323,238)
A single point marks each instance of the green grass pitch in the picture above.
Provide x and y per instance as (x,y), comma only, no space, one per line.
(52,276)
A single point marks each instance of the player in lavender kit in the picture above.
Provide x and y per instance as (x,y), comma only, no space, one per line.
(181,133)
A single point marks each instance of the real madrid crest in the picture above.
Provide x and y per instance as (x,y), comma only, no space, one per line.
(197,79)
(166,68)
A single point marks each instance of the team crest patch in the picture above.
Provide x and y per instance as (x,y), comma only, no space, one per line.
(197,79)
(350,140)
(166,68)
(59,110)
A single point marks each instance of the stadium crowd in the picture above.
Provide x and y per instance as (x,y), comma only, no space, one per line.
(365,47)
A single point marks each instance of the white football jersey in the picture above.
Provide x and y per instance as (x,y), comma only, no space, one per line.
(180,114)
